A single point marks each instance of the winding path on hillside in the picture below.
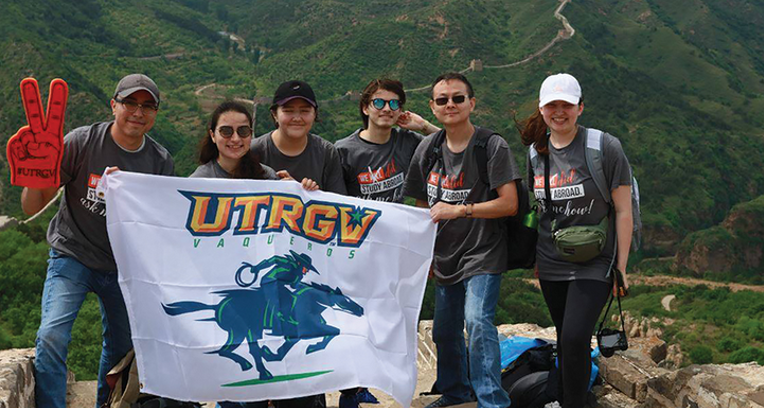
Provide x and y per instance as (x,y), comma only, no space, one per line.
(667,280)
(565,34)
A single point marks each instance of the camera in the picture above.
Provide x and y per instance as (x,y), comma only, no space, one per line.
(611,340)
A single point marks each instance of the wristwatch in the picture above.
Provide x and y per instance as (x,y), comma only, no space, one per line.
(468,212)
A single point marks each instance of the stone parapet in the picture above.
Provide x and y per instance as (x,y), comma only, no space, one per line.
(17,378)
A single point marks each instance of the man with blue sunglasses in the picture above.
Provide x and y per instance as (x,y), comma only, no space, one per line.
(376,157)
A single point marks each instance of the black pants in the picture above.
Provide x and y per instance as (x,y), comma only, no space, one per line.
(575,307)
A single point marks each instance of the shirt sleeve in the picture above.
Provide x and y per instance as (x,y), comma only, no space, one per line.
(502,167)
(347,171)
(332,178)
(168,167)
(615,164)
(74,142)
(199,172)
(414,186)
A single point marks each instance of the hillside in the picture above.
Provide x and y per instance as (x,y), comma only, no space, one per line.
(731,250)
(681,86)
(680,83)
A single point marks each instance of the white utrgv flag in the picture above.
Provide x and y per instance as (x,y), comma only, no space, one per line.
(246,290)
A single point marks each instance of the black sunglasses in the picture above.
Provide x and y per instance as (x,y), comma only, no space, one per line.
(456,98)
(227,131)
(379,104)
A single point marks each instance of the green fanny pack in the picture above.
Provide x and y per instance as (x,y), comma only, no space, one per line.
(580,243)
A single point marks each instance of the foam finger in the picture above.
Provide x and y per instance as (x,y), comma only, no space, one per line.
(30,97)
(59,94)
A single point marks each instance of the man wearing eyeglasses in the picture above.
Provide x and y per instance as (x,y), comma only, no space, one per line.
(470,248)
(81,260)
(375,158)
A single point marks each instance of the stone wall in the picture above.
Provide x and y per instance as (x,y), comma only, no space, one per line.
(638,377)
(16,378)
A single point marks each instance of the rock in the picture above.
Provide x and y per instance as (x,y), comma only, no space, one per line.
(727,385)
(527,330)
(427,357)
(674,357)
(16,378)
(629,372)
(81,394)
(7,222)
(651,346)
(609,397)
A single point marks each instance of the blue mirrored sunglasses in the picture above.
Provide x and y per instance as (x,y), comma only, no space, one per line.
(379,104)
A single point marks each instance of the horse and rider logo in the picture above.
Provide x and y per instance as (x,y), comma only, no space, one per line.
(282,306)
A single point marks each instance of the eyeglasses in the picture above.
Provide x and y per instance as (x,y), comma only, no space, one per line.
(132,106)
(379,104)
(456,98)
(242,131)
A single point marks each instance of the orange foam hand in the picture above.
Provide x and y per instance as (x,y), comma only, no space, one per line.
(35,151)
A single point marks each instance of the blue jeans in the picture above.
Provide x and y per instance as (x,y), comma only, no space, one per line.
(67,283)
(473,301)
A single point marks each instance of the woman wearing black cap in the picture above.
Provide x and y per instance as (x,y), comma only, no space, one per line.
(306,156)
(291,147)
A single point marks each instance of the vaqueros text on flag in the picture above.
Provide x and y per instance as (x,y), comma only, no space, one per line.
(246,290)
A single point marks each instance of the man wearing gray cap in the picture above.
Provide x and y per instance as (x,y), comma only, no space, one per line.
(81,260)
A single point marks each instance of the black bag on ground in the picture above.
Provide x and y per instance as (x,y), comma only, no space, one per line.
(532,380)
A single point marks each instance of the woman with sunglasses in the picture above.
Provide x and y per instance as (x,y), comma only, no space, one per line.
(375,158)
(575,292)
(225,152)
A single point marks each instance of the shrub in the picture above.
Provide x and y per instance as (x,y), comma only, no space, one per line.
(701,355)
(747,354)
(728,344)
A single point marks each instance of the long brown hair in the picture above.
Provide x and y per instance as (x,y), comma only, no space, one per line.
(534,130)
(249,166)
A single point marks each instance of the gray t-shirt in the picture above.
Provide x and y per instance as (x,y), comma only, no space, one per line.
(212,169)
(79,227)
(464,247)
(377,171)
(576,201)
(319,161)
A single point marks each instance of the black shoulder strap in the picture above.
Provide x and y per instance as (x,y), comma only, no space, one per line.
(435,153)
(481,152)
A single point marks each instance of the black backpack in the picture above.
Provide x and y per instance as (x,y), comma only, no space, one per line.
(521,240)
(532,380)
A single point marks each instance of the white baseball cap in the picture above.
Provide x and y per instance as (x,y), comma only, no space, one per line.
(560,87)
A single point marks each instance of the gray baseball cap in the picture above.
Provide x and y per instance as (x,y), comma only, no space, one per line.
(136,82)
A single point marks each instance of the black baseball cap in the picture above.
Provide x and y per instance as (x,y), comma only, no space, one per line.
(134,83)
(294,89)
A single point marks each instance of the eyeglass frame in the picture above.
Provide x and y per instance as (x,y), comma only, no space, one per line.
(146,109)
(388,102)
(443,100)
(224,136)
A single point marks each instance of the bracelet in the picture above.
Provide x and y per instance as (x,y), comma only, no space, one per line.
(468,211)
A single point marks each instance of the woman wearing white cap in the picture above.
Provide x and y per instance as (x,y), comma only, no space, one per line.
(575,284)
